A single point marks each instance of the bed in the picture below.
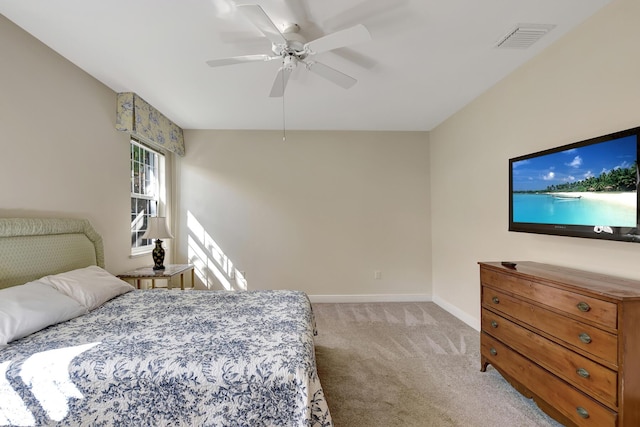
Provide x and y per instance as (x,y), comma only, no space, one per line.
(102,353)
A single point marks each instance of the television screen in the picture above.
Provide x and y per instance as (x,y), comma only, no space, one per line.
(585,189)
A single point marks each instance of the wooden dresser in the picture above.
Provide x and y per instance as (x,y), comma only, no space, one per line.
(567,338)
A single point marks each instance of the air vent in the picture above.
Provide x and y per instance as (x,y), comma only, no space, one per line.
(524,35)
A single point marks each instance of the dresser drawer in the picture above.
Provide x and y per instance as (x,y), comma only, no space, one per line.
(576,406)
(586,375)
(588,338)
(582,306)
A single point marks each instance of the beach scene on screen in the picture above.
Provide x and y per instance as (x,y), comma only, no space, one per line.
(594,184)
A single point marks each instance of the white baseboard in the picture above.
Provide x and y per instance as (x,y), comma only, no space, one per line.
(369,298)
(469,320)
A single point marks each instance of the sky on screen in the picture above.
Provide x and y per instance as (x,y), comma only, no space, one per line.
(574,164)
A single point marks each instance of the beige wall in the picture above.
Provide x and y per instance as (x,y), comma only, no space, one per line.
(587,84)
(60,154)
(320,212)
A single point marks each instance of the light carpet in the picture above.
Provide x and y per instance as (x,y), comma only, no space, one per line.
(411,364)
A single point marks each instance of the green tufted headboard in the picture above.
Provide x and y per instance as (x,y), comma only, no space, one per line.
(31,248)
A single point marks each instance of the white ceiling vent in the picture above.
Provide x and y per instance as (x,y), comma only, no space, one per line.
(524,35)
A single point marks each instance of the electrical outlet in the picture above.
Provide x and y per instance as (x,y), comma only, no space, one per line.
(377,274)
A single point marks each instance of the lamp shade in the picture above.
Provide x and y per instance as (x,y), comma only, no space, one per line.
(157,228)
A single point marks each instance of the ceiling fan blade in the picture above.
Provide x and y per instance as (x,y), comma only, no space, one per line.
(260,19)
(342,38)
(331,74)
(357,58)
(280,82)
(239,60)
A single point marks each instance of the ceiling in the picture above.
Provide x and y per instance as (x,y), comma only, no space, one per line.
(426,60)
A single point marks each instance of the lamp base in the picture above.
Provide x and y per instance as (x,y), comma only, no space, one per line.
(158,256)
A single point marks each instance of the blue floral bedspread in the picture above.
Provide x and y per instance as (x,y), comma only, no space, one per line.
(170,358)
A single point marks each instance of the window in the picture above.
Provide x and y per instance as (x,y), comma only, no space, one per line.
(147,192)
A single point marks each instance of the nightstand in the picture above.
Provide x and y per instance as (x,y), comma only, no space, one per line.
(169,272)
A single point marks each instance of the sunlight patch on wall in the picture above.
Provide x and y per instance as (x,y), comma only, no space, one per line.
(212,266)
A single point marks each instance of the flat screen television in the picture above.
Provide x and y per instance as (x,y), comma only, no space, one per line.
(585,189)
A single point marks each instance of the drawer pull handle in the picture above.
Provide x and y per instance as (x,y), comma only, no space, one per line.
(585,338)
(494,324)
(493,351)
(582,412)
(583,306)
(583,373)
(495,300)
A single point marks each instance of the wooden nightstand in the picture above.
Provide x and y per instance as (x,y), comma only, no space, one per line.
(170,271)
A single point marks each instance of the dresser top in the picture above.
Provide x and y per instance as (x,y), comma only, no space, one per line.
(597,283)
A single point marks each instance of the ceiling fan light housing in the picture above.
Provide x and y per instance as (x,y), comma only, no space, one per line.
(294,46)
(289,62)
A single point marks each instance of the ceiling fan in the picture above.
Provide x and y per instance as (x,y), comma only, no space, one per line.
(293,49)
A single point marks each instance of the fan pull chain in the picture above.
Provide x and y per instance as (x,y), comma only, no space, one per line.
(284,129)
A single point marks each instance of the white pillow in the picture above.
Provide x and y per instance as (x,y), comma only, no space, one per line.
(27,308)
(90,286)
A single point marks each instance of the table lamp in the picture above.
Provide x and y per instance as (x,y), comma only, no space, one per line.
(157,228)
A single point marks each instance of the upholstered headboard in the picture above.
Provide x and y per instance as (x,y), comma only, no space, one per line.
(31,248)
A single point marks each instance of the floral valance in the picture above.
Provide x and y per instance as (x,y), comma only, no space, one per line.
(142,121)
